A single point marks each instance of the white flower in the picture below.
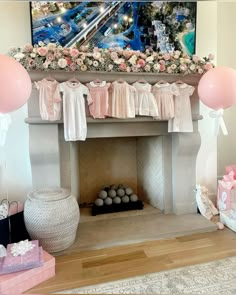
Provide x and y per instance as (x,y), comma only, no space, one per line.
(95,64)
(133,60)
(192,67)
(46,64)
(110,67)
(35,50)
(173,66)
(51,46)
(19,56)
(149,58)
(156,67)
(90,62)
(119,61)
(96,55)
(33,55)
(41,43)
(62,63)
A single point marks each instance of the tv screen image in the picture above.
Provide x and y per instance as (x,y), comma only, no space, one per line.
(164,26)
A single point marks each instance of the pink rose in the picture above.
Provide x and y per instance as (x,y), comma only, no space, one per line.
(162,62)
(114,56)
(74,52)
(66,51)
(79,61)
(30,62)
(211,56)
(50,56)
(122,67)
(95,49)
(128,53)
(84,48)
(62,63)
(73,66)
(200,71)
(68,60)
(183,68)
(141,63)
(42,51)
(162,67)
(143,56)
(195,58)
(166,56)
(208,66)
(28,48)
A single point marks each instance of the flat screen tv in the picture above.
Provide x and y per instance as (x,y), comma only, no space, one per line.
(164,26)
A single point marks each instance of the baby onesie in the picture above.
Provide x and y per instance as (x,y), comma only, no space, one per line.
(49,109)
(99,95)
(164,96)
(182,121)
(145,104)
(74,115)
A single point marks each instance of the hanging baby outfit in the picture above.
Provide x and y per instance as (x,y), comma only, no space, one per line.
(49,109)
(74,115)
(99,94)
(182,121)
(122,103)
(145,104)
(164,96)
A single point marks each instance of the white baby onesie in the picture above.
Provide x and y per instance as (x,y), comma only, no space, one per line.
(74,114)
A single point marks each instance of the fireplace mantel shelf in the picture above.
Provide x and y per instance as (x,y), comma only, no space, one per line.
(38,120)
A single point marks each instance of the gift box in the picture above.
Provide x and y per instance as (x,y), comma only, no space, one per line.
(31,259)
(226,196)
(16,283)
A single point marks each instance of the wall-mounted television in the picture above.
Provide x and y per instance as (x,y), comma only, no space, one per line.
(163,25)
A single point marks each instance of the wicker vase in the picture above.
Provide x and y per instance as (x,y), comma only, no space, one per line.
(52,216)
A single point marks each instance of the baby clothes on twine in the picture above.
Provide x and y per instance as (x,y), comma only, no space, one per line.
(74,115)
(145,104)
(122,102)
(182,121)
(48,107)
(164,96)
(99,95)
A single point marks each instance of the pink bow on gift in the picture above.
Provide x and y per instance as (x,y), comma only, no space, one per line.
(229,178)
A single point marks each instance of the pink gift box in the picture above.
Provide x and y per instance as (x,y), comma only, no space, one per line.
(16,283)
(226,196)
(33,258)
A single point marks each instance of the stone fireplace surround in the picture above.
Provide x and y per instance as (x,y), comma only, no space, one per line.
(165,162)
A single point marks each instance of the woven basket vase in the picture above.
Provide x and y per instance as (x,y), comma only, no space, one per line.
(52,216)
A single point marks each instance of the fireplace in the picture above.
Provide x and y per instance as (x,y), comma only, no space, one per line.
(158,165)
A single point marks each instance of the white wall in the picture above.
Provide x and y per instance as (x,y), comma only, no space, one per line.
(206,42)
(226,57)
(16,177)
(15,30)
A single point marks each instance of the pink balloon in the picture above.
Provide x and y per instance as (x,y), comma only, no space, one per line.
(217,88)
(15,84)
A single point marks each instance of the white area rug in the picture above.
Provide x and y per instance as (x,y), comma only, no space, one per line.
(217,277)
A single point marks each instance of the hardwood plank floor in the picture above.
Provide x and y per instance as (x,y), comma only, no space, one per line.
(96,266)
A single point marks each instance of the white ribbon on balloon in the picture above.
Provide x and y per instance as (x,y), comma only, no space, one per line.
(217,115)
(5,122)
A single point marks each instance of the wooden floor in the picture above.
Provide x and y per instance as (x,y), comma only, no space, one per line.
(97,266)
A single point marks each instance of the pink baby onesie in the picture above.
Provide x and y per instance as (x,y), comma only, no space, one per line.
(49,108)
(74,115)
(145,104)
(99,95)
(164,96)
(122,101)
(182,121)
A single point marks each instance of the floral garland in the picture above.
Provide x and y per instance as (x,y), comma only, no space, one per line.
(53,57)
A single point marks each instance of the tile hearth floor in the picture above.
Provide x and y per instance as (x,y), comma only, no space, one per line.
(131,227)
